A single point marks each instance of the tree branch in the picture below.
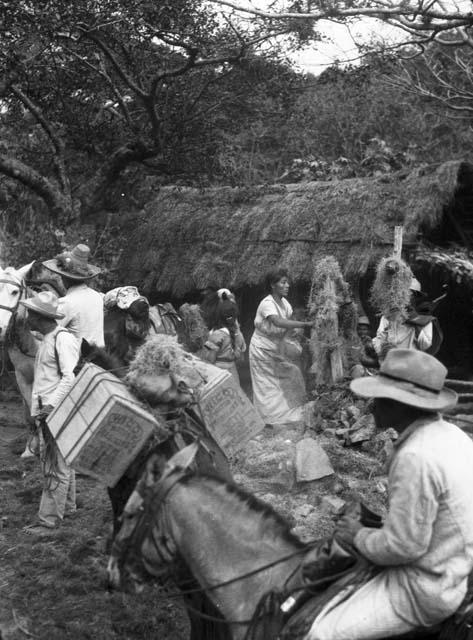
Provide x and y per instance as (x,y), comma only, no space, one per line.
(56,141)
(58,204)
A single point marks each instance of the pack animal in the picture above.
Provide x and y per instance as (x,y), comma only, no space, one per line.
(239,550)
(127,329)
(16,340)
(184,427)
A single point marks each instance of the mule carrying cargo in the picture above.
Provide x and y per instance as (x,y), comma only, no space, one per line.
(100,427)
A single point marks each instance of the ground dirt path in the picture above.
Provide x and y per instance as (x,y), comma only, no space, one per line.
(55,589)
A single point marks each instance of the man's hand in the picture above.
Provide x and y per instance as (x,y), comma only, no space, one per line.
(45,411)
(387,346)
(347,528)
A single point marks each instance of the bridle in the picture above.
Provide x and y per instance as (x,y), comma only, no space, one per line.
(154,503)
(16,283)
(13,310)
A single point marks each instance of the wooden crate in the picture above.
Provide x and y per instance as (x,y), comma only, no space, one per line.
(227,413)
(100,427)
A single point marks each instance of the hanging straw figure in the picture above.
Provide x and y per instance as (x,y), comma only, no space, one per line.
(196,331)
(390,293)
(333,313)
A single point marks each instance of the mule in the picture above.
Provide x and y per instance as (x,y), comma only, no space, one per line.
(184,427)
(239,550)
(236,547)
(127,329)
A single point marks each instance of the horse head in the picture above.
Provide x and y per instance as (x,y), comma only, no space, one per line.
(144,510)
(12,290)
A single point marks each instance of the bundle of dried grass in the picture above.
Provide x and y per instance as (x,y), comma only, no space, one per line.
(159,355)
(390,293)
(159,365)
(333,313)
(195,332)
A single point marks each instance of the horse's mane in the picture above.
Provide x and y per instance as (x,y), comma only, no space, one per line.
(275,522)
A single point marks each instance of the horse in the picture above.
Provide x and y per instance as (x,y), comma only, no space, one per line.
(236,547)
(127,329)
(184,426)
(16,340)
(241,552)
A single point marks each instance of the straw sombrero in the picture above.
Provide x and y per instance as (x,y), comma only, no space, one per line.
(73,264)
(411,377)
(45,303)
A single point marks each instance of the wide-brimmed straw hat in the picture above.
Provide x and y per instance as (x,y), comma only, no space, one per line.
(45,303)
(411,377)
(73,264)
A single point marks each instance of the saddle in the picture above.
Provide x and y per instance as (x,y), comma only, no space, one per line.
(332,566)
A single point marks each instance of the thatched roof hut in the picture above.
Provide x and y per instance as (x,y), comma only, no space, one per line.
(186,239)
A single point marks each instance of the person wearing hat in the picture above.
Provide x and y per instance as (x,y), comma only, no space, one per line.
(82,306)
(365,355)
(409,331)
(423,552)
(56,358)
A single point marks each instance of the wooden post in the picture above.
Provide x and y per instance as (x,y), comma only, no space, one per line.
(398,241)
(336,361)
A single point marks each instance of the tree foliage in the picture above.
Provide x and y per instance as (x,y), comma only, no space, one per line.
(92,87)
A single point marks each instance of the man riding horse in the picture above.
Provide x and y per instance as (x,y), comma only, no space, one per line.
(424,550)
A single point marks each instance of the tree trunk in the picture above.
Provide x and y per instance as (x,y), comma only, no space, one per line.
(61,207)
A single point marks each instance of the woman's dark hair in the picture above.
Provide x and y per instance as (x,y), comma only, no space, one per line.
(225,315)
(274,276)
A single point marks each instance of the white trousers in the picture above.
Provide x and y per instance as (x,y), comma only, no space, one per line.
(366,615)
(59,490)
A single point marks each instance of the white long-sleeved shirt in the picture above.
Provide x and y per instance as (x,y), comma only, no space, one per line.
(83,313)
(52,382)
(427,538)
(401,335)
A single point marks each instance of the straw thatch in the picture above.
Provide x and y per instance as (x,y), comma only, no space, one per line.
(187,238)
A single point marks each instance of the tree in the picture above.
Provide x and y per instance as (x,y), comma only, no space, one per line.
(91,87)
(441,77)
(422,21)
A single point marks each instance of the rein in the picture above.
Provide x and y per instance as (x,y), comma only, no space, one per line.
(22,286)
(156,500)
(11,323)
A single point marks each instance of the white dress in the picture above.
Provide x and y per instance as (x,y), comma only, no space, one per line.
(278,385)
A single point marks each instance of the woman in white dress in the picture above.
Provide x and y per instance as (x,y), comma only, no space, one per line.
(278,385)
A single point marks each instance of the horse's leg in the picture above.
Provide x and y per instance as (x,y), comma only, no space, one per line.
(24,370)
(24,373)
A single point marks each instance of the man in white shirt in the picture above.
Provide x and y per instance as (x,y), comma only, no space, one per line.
(403,332)
(55,361)
(424,550)
(82,306)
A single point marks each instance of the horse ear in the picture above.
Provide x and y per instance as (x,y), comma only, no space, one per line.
(85,348)
(153,470)
(182,459)
(23,271)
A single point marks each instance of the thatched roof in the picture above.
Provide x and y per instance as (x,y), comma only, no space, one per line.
(189,238)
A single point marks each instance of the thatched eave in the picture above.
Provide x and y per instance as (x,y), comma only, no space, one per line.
(187,238)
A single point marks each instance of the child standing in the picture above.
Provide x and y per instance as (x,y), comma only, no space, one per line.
(225,344)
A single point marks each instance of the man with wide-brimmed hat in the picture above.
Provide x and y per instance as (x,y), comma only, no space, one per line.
(55,361)
(82,306)
(424,550)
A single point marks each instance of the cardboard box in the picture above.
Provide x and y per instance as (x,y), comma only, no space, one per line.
(227,413)
(100,427)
